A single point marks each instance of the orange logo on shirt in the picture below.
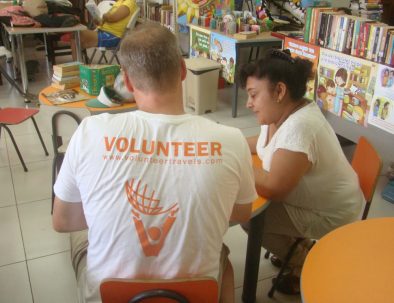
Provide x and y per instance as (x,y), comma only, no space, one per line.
(152,238)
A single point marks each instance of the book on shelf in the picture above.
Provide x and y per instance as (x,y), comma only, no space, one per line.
(65,67)
(348,34)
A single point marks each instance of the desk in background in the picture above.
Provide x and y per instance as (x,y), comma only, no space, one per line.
(351,264)
(19,53)
(82,104)
(225,48)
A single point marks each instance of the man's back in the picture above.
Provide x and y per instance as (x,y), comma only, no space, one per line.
(157,193)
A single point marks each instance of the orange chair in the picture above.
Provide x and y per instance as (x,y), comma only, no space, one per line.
(367,164)
(194,290)
(17,115)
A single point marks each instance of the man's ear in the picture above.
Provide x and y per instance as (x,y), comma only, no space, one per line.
(183,70)
(127,82)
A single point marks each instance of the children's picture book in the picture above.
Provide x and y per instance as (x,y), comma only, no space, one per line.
(222,50)
(381,113)
(199,42)
(305,51)
(65,96)
(345,85)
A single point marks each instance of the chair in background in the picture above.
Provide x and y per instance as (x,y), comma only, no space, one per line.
(114,50)
(367,164)
(15,116)
(195,290)
(62,125)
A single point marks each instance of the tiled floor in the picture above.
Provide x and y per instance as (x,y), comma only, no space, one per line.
(34,260)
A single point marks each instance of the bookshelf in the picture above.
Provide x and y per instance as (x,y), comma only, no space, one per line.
(161,11)
(365,87)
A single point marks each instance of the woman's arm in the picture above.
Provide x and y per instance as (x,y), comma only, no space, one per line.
(121,12)
(252,142)
(287,169)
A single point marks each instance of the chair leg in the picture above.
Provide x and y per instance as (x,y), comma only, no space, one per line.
(56,164)
(53,182)
(103,57)
(92,56)
(283,268)
(39,135)
(16,147)
(366,210)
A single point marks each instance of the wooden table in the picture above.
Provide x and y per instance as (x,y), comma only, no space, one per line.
(352,264)
(253,250)
(18,33)
(82,104)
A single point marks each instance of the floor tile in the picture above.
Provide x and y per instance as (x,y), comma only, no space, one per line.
(35,184)
(7,196)
(263,287)
(3,150)
(11,246)
(52,279)
(30,147)
(236,240)
(379,206)
(14,284)
(38,235)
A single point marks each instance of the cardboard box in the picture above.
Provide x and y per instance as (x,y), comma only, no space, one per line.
(93,77)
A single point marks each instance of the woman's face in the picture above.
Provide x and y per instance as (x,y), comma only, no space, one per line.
(261,101)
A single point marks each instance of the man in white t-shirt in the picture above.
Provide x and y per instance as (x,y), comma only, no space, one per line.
(155,188)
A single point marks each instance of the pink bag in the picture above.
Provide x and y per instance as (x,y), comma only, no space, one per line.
(18,16)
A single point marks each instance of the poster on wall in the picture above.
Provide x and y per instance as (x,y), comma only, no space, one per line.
(345,85)
(381,113)
(223,51)
(188,11)
(199,42)
(303,50)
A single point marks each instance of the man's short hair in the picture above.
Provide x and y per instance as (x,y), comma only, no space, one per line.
(151,57)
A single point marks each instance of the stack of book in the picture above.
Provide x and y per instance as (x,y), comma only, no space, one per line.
(66,75)
(351,35)
(371,9)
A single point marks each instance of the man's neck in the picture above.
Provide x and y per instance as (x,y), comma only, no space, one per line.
(166,103)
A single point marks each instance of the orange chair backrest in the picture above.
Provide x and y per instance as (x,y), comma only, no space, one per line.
(196,290)
(367,164)
(256,161)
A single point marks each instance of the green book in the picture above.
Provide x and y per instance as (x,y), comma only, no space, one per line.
(308,23)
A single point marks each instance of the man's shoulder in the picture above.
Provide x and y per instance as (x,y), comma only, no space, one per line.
(106,119)
(215,125)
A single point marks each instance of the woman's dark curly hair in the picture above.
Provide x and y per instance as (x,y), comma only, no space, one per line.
(279,66)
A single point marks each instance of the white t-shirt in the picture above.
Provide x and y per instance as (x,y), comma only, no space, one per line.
(157,193)
(329,195)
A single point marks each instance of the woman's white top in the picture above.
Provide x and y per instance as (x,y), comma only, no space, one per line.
(328,195)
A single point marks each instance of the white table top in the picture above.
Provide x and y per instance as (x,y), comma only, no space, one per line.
(42,30)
